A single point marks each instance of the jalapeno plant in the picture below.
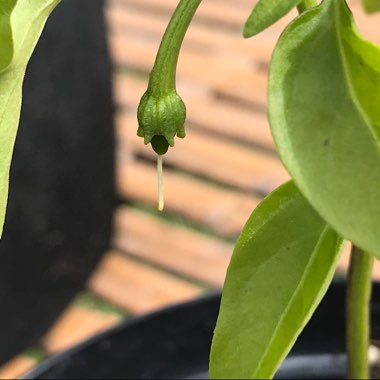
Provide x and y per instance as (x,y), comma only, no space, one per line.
(324,97)
(21,23)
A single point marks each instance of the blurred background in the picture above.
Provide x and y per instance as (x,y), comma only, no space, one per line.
(88,248)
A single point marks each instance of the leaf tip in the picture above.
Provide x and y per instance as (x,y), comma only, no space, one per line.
(250,30)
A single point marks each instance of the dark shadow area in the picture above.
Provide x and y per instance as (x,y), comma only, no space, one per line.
(175,344)
(61,187)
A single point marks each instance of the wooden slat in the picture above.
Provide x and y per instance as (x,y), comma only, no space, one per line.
(209,11)
(248,72)
(203,111)
(179,249)
(213,157)
(220,43)
(227,15)
(235,13)
(210,31)
(247,92)
(76,325)
(139,53)
(131,22)
(137,287)
(221,210)
(241,94)
(238,86)
(17,367)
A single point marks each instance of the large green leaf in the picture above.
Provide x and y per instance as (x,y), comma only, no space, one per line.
(266,13)
(282,265)
(21,23)
(371,6)
(324,96)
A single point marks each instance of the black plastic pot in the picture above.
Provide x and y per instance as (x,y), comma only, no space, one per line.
(174,344)
(61,194)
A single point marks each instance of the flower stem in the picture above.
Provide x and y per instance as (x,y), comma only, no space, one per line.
(305,5)
(358,320)
(162,77)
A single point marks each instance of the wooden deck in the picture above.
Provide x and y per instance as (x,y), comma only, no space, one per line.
(213,179)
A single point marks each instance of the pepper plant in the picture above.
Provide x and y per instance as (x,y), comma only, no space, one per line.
(21,23)
(324,114)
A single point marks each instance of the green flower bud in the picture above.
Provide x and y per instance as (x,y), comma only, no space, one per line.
(162,113)
(161,118)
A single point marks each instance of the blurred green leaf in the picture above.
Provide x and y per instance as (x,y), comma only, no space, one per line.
(324,96)
(371,6)
(282,265)
(265,13)
(21,23)
(6,40)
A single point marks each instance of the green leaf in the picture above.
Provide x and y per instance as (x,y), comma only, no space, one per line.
(266,13)
(21,23)
(282,265)
(324,96)
(371,6)
(6,41)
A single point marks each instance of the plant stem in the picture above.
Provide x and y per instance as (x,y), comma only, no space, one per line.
(305,5)
(162,77)
(358,321)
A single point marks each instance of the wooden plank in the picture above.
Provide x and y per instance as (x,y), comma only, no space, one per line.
(234,14)
(238,86)
(179,249)
(204,111)
(247,92)
(231,70)
(133,22)
(207,41)
(76,325)
(137,287)
(16,367)
(221,15)
(221,210)
(216,158)
(210,11)
(241,94)
(240,82)
(139,53)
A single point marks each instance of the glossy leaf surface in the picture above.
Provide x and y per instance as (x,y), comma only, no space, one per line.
(21,23)
(282,265)
(371,6)
(265,13)
(324,96)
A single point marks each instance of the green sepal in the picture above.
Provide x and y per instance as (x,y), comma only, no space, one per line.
(162,115)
